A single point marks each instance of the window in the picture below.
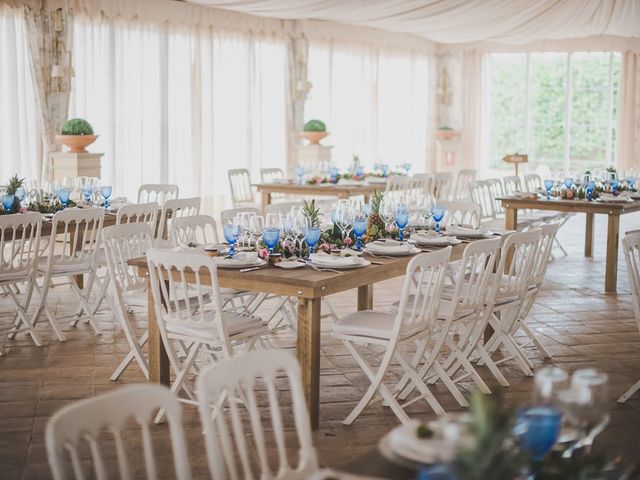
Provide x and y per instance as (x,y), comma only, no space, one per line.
(374,102)
(560,108)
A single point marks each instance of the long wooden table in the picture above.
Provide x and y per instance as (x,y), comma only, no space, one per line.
(611,209)
(320,189)
(309,286)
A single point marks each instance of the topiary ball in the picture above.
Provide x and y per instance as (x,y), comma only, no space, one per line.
(77,126)
(315,126)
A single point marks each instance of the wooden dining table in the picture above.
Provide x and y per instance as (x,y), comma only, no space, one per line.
(310,191)
(308,286)
(613,211)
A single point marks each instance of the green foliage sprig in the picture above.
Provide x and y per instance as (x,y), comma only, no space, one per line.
(77,126)
(315,126)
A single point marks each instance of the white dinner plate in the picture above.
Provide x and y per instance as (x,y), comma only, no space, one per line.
(232,263)
(403,441)
(434,240)
(467,232)
(356,262)
(395,249)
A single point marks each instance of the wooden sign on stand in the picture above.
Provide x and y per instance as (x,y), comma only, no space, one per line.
(516,159)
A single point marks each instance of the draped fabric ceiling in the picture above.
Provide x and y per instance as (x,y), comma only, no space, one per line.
(461,21)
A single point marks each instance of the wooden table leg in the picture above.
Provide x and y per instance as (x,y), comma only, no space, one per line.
(266,200)
(611,265)
(159,368)
(588,236)
(308,349)
(511,218)
(365,297)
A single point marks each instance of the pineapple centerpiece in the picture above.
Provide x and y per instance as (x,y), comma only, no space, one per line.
(375,226)
(12,187)
(311,213)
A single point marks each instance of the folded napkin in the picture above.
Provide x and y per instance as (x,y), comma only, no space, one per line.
(389,247)
(464,231)
(426,239)
(404,441)
(240,258)
(331,261)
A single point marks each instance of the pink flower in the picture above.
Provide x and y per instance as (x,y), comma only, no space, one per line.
(325,247)
(263,253)
(348,241)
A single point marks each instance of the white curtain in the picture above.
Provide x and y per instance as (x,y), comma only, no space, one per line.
(474,98)
(20,139)
(174,104)
(375,102)
(627,132)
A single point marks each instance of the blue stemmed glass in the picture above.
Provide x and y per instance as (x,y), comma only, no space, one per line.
(105,191)
(333,175)
(359,172)
(631,182)
(437,214)
(7,202)
(402,219)
(21,192)
(270,237)
(231,234)
(407,167)
(63,195)
(614,185)
(385,170)
(548,185)
(312,237)
(359,228)
(300,173)
(538,429)
(568,182)
(590,188)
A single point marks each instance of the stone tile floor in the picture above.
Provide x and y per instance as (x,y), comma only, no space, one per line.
(579,324)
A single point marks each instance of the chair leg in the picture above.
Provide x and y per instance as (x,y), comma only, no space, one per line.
(84,303)
(22,314)
(42,305)
(625,396)
(535,340)
(134,354)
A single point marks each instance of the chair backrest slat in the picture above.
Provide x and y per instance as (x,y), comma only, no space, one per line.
(462,188)
(157,192)
(197,229)
(84,421)
(224,387)
(179,207)
(461,213)
(442,185)
(240,185)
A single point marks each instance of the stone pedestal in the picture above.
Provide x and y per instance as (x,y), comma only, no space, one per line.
(67,164)
(316,158)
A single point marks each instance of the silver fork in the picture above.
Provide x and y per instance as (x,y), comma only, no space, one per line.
(324,269)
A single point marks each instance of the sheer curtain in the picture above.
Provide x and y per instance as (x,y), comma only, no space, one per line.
(177,104)
(20,140)
(375,102)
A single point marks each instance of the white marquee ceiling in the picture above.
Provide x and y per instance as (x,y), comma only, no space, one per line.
(461,21)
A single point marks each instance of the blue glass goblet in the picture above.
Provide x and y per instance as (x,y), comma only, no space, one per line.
(63,195)
(568,182)
(548,185)
(402,219)
(614,185)
(231,234)
(590,188)
(333,175)
(105,191)
(359,228)
(407,167)
(385,170)
(312,237)
(538,429)
(270,237)
(631,181)
(437,214)
(7,202)
(21,192)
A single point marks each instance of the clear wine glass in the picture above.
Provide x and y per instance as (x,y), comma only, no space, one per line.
(256,227)
(388,212)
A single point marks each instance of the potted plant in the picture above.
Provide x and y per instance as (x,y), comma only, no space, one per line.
(10,198)
(76,135)
(446,133)
(314,131)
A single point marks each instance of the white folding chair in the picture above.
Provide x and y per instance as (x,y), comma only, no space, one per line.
(463,308)
(462,187)
(282,208)
(512,184)
(81,234)
(19,252)
(532,182)
(514,276)
(157,192)
(398,183)
(138,213)
(442,185)
(422,183)
(229,214)
(631,249)
(122,243)
(95,424)
(179,207)
(230,439)
(190,315)
(414,321)
(240,185)
(467,214)
(271,175)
